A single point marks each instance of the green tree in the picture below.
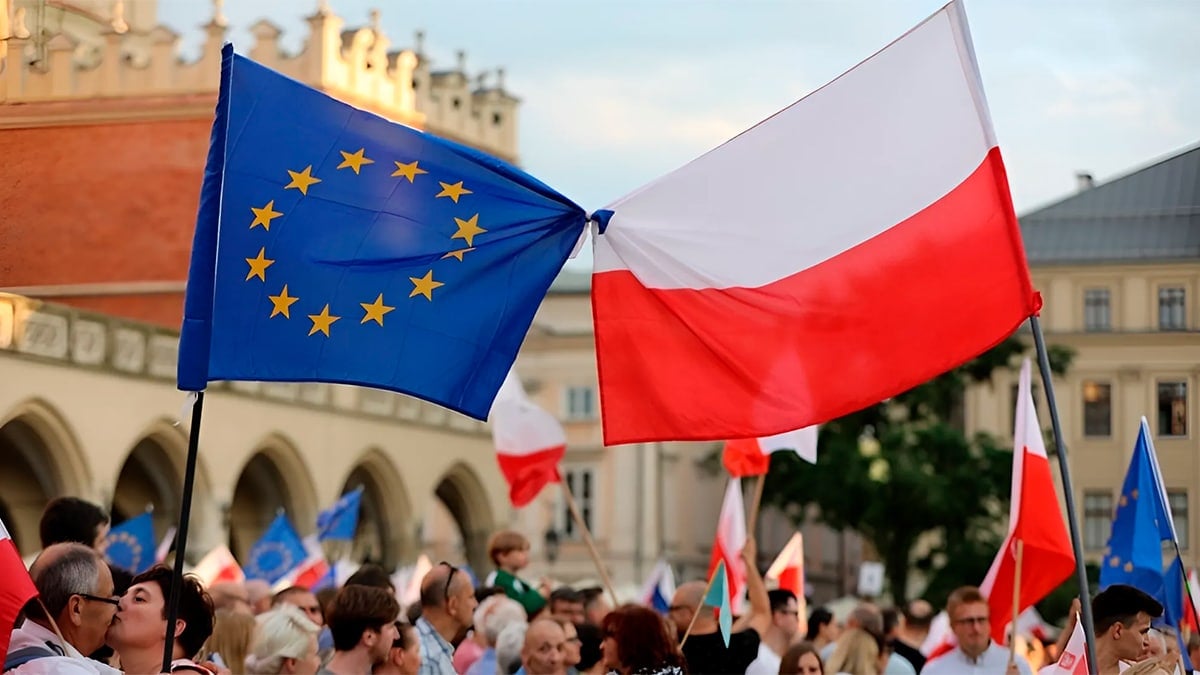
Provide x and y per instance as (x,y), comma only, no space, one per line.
(902,470)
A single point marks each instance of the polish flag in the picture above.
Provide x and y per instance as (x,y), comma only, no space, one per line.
(1074,657)
(218,565)
(16,588)
(530,443)
(752,456)
(816,263)
(729,542)
(788,573)
(940,639)
(312,569)
(1191,601)
(1034,518)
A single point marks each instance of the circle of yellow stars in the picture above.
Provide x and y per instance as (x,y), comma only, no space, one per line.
(376,310)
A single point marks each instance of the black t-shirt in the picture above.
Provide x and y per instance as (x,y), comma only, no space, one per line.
(707,654)
(910,654)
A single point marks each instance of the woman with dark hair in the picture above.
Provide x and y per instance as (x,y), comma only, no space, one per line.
(636,641)
(822,629)
(801,658)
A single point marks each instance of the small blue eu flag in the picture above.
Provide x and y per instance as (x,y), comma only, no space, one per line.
(130,545)
(333,245)
(278,552)
(338,522)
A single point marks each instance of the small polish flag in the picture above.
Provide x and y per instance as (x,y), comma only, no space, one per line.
(729,542)
(1074,657)
(530,443)
(15,590)
(218,565)
(752,456)
(788,573)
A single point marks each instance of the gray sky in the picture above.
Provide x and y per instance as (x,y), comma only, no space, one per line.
(616,93)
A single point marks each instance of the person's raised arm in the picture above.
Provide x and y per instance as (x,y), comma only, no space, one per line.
(759,616)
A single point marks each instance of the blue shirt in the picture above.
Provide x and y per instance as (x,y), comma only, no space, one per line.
(437,656)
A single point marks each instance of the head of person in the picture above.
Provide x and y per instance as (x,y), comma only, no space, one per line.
(867,617)
(447,593)
(76,586)
(590,638)
(567,602)
(595,605)
(822,626)
(918,616)
(122,579)
(405,655)
(509,645)
(857,651)
(801,658)
(140,624)
(71,519)
(258,593)
(231,637)
(304,599)
(1122,616)
(891,621)
(286,643)
(571,642)
(371,574)
(1193,647)
(1170,641)
(785,612)
(484,592)
(1156,645)
(231,596)
(496,613)
(684,603)
(542,653)
(636,640)
(970,620)
(509,550)
(363,618)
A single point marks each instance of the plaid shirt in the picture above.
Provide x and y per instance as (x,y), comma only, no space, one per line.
(437,656)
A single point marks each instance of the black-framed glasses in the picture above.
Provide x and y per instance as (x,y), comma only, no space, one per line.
(449,578)
(115,602)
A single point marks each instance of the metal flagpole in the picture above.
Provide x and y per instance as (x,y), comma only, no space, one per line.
(1060,448)
(185,510)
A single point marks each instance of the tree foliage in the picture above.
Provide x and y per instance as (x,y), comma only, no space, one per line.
(904,475)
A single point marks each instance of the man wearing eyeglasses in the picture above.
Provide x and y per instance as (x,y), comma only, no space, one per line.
(975,654)
(447,608)
(76,587)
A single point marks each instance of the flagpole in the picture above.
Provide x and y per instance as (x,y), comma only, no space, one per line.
(185,510)
(699,608)
(755,502)
(1012,641)
(587,539)
(1085,605)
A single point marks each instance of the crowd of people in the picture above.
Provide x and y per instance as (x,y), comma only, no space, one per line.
(92,618)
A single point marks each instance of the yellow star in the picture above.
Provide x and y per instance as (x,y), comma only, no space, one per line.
(283,303)
(453,191)
(322,321)
(301,180)
(1114,562)
(265,215)
(424,286)
(259,265)
(409,171)
(375,310)
(354,160)
(1124,501)
(458,254)
(1128,567)
(467,229)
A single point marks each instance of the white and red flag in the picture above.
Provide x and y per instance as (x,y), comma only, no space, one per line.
(1074,657)
(218,565)
(752,456)
(729,542)
(530,443)
(1035,519)
(809,267)
(16,588)
(788,573)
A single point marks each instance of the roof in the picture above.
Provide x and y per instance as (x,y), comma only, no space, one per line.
(1152,214)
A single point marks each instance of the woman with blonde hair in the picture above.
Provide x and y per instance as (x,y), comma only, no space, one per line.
(857,653)
(230,639)
(286,642)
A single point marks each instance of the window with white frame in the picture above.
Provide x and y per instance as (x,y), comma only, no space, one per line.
(1097,315)
(580,403)
(581,481)
(1172,409)
(1172,308)
(1178,500)
(1097,518)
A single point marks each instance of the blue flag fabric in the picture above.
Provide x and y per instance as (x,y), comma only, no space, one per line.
(333,245)
(278,552)
(130,545)
(718,596)
(1141,526)
(338,522)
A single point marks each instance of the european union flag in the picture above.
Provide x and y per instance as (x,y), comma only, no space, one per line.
(130,545)
(333,245)
(278,552)
(339,521)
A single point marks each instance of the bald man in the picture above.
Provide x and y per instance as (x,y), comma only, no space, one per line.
(545,645)
(447,607)
(705,649)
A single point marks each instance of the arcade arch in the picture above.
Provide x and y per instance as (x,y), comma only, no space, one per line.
(384,533)
(465,497)
(274,478)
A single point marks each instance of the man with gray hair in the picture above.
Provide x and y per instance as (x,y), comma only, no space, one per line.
(76,588)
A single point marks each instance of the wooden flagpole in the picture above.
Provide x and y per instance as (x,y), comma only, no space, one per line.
(185,510)
(699,608)
(1060,449)
(755,503)
(587,539)
(1012,641)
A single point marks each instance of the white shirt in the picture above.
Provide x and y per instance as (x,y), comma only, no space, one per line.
(994,661)
(31,634)
(767,662)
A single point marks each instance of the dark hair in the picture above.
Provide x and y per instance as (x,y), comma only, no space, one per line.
(820,617)
(1121,603)
(122,579)
(195,606)
(891,619)
(413,612)
(779,599)
(71,519)
(591,594)
(371,574)
(357,609)
(918,614)
(789,663)
(590,639)
(643,643)
(566,594)
(407,635)
(325,598)
(484,592)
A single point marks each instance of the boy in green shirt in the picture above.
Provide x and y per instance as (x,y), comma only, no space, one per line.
(509,551)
